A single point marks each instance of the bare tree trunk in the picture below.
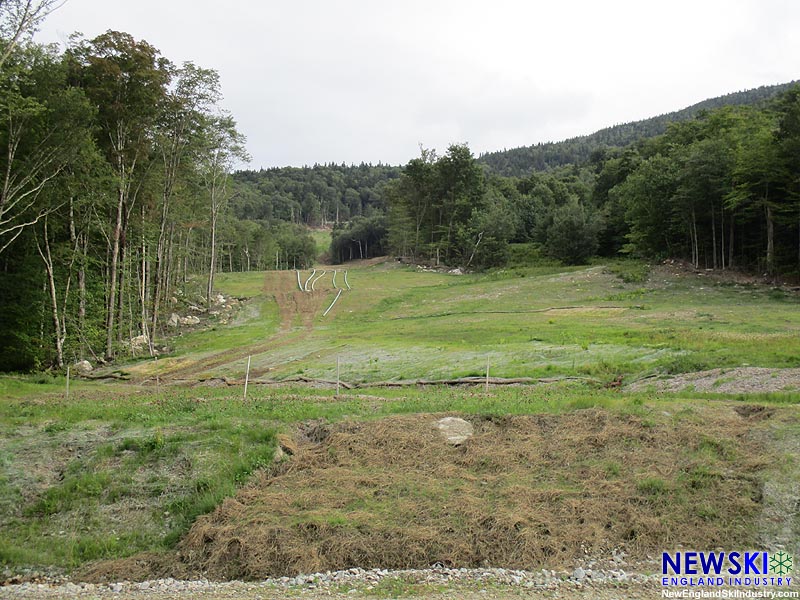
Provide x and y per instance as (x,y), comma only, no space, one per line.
(82,292)
(695,248)
(722,235)
(186,256)
(144,286)
(160,281)
(770,231)
(129,298)
(58,316)
(770,240)
(79,242)
(730,242)
(51,284)
(714,236)
(123,282)
(111,307)
(474,249)
(169,271)
(213,262)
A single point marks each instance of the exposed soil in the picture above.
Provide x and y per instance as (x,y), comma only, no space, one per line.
(296,305)
(681,267)
(524,492)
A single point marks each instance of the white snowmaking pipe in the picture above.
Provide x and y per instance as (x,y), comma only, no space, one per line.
(332,303)
(299,284)
(345,281)
(305,287)
(334,280)
(317,279)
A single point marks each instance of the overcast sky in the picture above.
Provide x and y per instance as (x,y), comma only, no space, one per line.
(316,81)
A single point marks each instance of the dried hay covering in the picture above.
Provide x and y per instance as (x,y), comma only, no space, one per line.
(524,492)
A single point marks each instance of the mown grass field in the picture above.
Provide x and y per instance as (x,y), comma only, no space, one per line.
(120,468)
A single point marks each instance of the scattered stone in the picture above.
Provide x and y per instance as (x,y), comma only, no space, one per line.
(353,581)
(190,320)
(454,430)
(139,343)
(174,319)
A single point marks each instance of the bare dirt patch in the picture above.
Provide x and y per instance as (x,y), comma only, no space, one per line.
(727,276)
(742,380)
(295,307)
(294,304)
(523,492)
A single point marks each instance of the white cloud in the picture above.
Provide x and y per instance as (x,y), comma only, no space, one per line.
(350,81)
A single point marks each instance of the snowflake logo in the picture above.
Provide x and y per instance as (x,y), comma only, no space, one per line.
(780,563)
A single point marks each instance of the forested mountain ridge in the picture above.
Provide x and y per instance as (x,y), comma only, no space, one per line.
(720,190)
(520,162)
(332,193)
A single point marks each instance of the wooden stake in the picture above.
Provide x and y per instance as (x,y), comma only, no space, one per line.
(246,378)
(487,374)
(67,383)
(337,374)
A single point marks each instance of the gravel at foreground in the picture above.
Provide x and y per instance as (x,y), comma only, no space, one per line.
(434,583)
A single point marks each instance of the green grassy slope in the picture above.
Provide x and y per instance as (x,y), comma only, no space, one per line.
(397,324)
(121,468)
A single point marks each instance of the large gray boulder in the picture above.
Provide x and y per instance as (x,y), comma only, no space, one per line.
(83,368)
(455,431)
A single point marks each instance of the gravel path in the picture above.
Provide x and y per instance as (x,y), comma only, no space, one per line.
(434,583)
